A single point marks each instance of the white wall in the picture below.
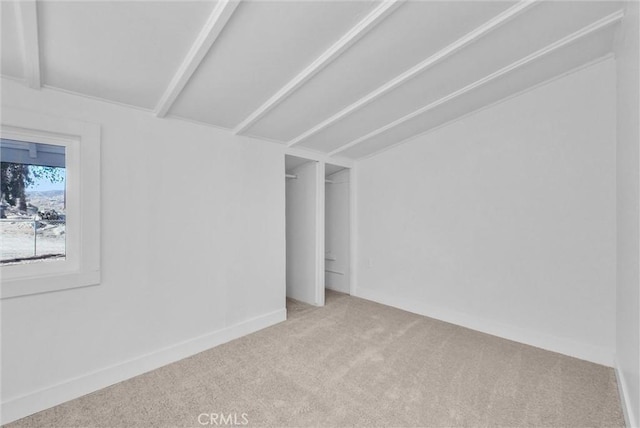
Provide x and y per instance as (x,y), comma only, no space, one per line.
(503,221)
(193,255)
(628,214)
(337,232)
(301,233)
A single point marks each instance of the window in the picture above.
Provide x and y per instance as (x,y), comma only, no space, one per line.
(32,202)
(50,225)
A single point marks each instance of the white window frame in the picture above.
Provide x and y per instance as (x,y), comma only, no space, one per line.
(81,266)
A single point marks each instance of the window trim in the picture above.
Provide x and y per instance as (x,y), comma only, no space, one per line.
(81,266)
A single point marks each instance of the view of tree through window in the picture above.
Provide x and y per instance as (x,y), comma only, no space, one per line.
(32,203)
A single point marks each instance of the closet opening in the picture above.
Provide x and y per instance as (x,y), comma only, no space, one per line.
(318,243)
(304,230)
(337,229)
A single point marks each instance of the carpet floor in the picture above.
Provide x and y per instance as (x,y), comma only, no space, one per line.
(356,363)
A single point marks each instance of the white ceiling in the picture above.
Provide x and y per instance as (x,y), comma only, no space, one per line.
(344,78)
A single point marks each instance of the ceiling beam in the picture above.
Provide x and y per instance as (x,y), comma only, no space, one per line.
(27,19)
(583,32)
(207,37)
(347,40)
(465,40)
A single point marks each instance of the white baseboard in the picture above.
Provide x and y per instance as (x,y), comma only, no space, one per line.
(560,345)
(45,398)
(631,420)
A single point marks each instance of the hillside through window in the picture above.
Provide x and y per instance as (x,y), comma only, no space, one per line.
(32,202)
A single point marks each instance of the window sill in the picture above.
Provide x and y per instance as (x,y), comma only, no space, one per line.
(48,283)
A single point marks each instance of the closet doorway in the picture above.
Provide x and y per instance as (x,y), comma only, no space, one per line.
(305,230)
(317,229)
(337,228)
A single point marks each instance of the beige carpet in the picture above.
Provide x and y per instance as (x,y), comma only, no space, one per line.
(356,363)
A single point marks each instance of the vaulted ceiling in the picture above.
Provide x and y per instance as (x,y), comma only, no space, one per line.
(347,78)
